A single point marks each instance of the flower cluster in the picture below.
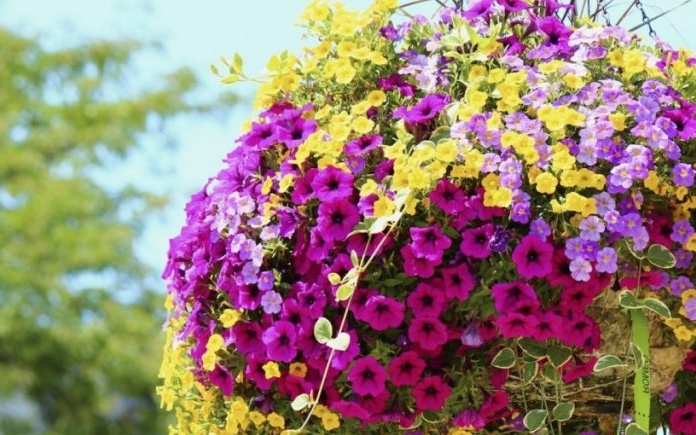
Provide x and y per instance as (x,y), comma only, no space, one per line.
(463,200)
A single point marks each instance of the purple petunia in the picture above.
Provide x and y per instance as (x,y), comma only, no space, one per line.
(332,184)
(337,219)
(429,242)
(279,340)
(426,109)
(367,376)
(532,257)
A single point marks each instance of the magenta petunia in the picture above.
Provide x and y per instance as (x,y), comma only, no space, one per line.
(367,376)
(431,393)
(223,379)
(458,281)
(514,296)
(416,266)
(280,341)
(475,241)
(247,337)
(429,242)
(363,144)
(549,325)
(682,420)
(406,369)
(513,325)
(426,109)
(426,300)
(382,312)
(533,257)
(332,184)
(449,197)
(427,332)
(337,219)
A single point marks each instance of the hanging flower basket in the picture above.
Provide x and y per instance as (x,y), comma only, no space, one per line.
(476,223)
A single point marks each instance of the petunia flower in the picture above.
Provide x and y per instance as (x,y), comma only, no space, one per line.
(416,266)
(475,241)
(513,325)
(406,369)
(682,420)
(431,393)
(426,300)
(337,219)
(279,340)
(382,312)
(532,257)
(426,109)
(429,242)
(514,296)
(332,184)
(363,144)
(450,198)
(367,376)
(458,281)
(428,332)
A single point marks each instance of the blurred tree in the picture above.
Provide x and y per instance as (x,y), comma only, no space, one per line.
(79,335)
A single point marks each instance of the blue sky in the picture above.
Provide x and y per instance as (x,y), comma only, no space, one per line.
(197,33)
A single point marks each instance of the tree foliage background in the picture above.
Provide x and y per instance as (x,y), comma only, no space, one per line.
(79,328)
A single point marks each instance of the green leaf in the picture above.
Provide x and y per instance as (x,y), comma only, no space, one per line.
(660,256)
(323,330)
(401,196)
(658,307)
(334,278)
(238,63)
(232,78)
(505,359)
(344,292)
(634,429)
(440,133)
(532,348)
(534,419)
(529,372)
(354,260)
(341,342)
(559,355)
(301,402)
(214,69)
(608,362)
(637,355)
(629,300)
(563,411)
(379,225)
(550,373)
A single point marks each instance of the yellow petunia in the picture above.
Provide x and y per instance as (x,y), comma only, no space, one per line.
(229,317)
(546,183)
(276,420)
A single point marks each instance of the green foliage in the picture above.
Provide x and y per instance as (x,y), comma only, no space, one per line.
(87,361)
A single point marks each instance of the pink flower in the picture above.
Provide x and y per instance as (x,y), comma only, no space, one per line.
(448,197)
(533,257)
(332,184)
(405,369)
(549,326)
(514,296)
(367,376)
(415,266)
(431,393)
(280,341)
(458,281)
(427,332)
(683,420)
(382,312)
(337,219)
(429,243)
(475,241)
(514,325)
(426,301)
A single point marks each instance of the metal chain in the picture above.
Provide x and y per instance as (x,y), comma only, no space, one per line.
(646,19)
(603,7)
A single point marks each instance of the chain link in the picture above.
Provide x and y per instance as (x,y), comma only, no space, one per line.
(603,7)
(645,18)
